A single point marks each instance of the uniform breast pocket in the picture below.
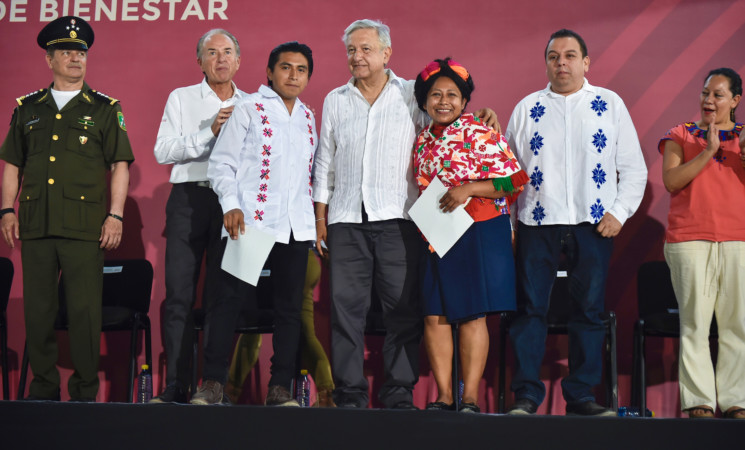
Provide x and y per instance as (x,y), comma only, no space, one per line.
(84,142)
(36,134)
(598,137)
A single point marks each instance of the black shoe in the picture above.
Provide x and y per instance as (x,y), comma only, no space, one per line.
(467,407)
(34,398)
(83,400)
(439,406)
(404,404)
(588,409)
(173,393)
(523,407)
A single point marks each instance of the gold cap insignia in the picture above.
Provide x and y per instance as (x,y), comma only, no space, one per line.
(73,34)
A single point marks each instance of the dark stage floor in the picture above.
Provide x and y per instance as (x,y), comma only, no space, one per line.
(27,425)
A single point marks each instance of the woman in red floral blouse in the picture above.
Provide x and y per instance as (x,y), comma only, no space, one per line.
(477,276)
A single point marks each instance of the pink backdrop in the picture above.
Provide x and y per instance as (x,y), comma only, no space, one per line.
(653,53)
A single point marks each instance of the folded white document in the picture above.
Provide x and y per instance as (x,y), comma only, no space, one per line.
(441,229)
(244,257)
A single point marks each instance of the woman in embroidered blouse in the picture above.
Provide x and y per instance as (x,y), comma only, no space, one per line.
(703,170)
(477,275)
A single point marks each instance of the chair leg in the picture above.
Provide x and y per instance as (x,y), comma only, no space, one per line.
(195,363)
(455,377)
(132,361)
(24,370)
(148,345)
(503,328)
(642,377)
(635,400)
(612,362)
(4,351)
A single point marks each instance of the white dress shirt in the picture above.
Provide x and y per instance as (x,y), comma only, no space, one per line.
(185,136)
(582,155)
(262,163)
(366,152)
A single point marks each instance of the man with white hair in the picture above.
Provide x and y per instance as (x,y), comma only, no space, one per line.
(364,178)
(192,120)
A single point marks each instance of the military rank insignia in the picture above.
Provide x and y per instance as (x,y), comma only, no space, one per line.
(86,120)
(120,116)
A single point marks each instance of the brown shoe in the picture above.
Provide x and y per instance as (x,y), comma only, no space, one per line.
(325,399)
(209,393)
(279,396)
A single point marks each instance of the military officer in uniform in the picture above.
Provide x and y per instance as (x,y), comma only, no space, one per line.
(61,142)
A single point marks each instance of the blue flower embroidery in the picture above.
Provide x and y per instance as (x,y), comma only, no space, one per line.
(536,142)
(597,211)
(538,213)
(598,175)
(599,106)
(537,111)
(536,178)
(598,140)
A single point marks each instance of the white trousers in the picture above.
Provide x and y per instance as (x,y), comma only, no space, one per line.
(709,279)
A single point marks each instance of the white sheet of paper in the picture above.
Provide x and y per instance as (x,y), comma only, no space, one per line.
(244,257)
(442,230)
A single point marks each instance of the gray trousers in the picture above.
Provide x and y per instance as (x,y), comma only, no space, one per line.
(383,256)
(193,225)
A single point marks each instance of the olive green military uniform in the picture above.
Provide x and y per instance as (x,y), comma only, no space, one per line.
(63,156)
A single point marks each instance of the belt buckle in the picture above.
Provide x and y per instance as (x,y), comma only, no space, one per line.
(204,184)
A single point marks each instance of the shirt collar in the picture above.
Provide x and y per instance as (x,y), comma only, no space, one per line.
(586,86)
(392,79)
(85,95)
(268,92)
(207,90)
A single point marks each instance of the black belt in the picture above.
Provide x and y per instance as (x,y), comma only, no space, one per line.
(204,184)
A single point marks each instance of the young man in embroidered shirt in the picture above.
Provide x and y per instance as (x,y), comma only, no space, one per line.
(190,125)
(579,147)
(260,169)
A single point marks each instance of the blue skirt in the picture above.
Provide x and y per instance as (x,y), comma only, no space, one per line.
(476,277)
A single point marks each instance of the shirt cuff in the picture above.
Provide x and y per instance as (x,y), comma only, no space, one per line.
(229,204)
(321,195)
(205,136)
(619,213)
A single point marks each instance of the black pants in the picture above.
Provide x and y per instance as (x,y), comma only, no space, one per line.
(385,256)
(288,263)
(193,225)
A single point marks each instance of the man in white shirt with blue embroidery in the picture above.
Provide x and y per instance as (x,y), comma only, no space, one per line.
(191,121)
(579,146)
(260,169)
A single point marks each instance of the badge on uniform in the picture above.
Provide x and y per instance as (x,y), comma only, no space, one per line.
(120,116)
(34,119)
(83,139)
(86,120)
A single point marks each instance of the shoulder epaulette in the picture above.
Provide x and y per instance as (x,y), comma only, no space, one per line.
(30,96)
(104,97)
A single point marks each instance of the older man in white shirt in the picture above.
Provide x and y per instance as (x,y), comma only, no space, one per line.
(260,169)
(364,178)
(191,121)
(587,176)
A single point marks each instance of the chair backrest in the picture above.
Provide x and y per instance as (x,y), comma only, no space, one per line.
(6,280)
(655,289)
(128,283)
